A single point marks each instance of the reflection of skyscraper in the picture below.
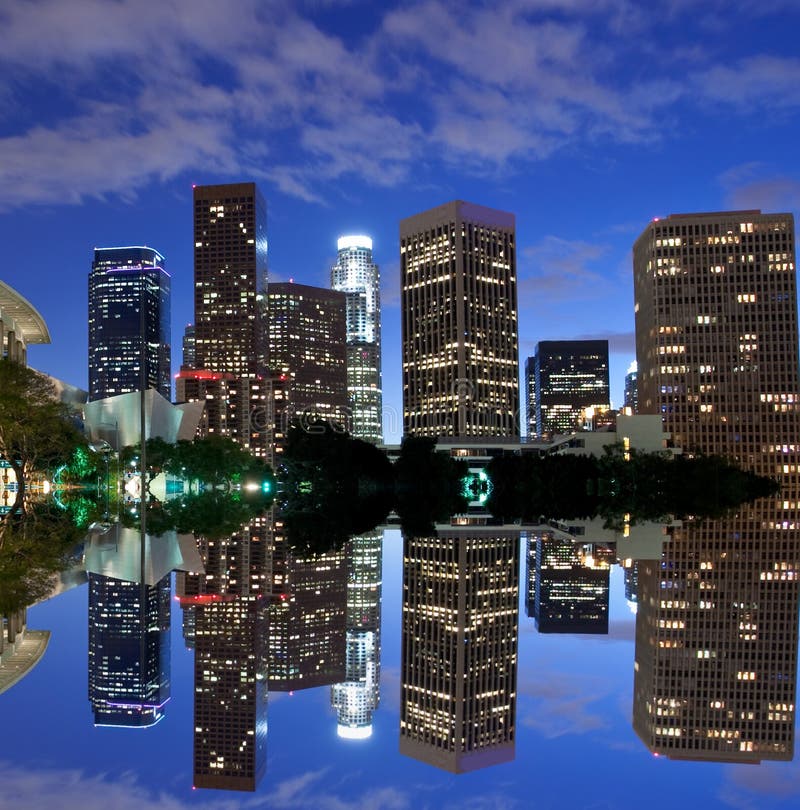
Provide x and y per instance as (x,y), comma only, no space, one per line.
(570,597)
(716,629)
(459,302)
(307,346)
(121,281)
(569,376)
(230,691)
(129,656)
(357,697)
(357,276)
(459,650)
(226,615)
(530,573)
(307,617)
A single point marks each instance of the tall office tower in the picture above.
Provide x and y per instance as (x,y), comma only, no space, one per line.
(458,695)
(225,614)
(189,359)
(571,591)
(230,279)
(356,698)
(570,376)
(357,276)
(307,348)
(230,315)
(632,585)
(717,620)
(129,655)
(632,388)
(459,322)
(121,282)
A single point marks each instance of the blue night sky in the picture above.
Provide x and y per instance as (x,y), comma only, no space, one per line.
(586,118)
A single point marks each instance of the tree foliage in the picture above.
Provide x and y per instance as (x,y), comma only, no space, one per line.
(37,433)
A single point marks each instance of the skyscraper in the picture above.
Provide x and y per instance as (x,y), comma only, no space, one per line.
(307,349)
(569,376)
(717,619)
(228,346)
(122,280)
(230,279)
(357,276)
(459,650)
(189,360)
(459,322)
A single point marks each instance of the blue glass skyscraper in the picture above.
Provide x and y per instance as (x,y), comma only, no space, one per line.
(121,282)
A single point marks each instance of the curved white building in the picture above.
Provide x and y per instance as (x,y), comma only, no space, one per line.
(20,325)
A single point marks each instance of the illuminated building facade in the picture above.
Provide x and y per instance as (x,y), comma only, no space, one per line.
(230,279)
(189,358)
(122,280)
(571,588)
(459,322)
(235,407)
(307,619)
(307,349)
(225,351)
(717,618)
(129,653)
(568,378)
(21,649)
(225,619)
(357,276)
(356,698)
(459,650)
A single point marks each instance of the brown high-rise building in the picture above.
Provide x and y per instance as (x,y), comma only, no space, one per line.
(459,322)
(307,352)
(717,621)
(226,364)
(230,279)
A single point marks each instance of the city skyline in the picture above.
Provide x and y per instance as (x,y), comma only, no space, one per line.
(99,147)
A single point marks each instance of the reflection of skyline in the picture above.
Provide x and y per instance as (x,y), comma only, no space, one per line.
(356,698)
(129,654)
(717,622)
(459,650)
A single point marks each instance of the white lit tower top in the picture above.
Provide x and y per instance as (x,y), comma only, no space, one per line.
(356,274)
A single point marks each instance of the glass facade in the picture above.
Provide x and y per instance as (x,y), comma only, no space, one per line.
(121,282)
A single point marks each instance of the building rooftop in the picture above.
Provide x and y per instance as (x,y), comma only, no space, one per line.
(24,314)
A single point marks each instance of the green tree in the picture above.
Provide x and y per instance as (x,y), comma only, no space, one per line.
(37,432)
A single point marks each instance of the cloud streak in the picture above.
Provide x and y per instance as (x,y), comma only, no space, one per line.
(135,98)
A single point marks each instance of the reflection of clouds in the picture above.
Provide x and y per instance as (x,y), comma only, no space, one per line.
(561,704)
(747,787)
(76,790)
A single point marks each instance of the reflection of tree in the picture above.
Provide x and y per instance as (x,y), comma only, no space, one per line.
(333,486)
(211,460)
(212,514)
(618,485)
(36,431)
(34,545)
(428,486)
